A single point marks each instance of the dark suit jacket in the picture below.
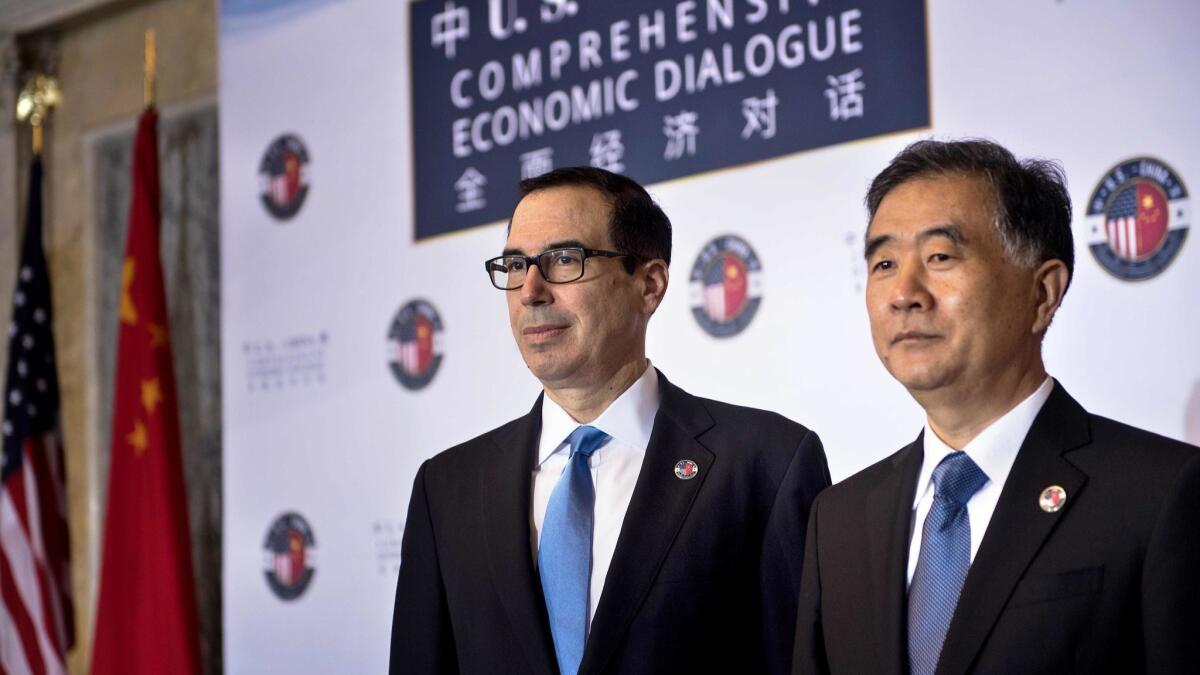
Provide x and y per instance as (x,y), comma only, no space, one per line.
(1108,584)
(705,574)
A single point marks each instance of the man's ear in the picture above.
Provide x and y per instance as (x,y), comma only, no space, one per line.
(1050,284)
(654,277)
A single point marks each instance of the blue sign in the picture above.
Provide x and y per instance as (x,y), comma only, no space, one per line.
(509,89)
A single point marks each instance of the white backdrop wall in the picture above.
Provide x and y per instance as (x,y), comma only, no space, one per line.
(317,425)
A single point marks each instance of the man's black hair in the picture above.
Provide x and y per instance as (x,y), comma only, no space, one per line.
(1033,209)
(638,226)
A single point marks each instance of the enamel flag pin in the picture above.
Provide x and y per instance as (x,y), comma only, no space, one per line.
(1052,499)
(686,469)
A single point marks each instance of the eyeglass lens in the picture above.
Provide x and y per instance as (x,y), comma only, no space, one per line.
(557,266)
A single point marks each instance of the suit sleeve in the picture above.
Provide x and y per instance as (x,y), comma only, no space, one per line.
(422,638)
(783,546)
(809,657)
(1171,580)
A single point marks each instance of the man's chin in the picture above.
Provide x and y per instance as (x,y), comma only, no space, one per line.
(920,381)
(547,370)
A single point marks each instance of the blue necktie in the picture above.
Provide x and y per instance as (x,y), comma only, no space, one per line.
(943,562)
(565,552)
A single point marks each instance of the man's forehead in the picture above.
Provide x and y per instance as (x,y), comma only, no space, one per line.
(536,237)
(933,202)
(942,188)
(575,213)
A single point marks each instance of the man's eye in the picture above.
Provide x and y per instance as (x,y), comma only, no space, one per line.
(881,265)
(939,257)
(564,259)
(515,265)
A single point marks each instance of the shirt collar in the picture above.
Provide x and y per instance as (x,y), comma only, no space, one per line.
(994,449)
(629,419)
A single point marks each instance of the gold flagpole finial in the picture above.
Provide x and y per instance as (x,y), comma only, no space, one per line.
(39,96)
(148,92)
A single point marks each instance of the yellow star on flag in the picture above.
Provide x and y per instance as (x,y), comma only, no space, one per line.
(151,394)
(158,335)
(128,310)
(138,438)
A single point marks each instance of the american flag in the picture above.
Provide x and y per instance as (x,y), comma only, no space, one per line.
(714,301)
(36,615)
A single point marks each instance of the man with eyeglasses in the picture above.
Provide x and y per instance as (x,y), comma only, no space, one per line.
(623,525)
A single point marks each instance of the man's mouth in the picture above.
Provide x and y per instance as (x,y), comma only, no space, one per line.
(914,337)
(543,332)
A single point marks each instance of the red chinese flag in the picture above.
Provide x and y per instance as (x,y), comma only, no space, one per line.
(737,285)
(146,615)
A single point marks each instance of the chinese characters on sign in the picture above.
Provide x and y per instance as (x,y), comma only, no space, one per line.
(450,26)
(760,115)
(681,131)
(845,95)
(607,151)
(537,162)
(510,89)
(470,191)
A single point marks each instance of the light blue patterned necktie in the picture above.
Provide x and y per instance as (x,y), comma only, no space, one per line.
(565,551)
(943,562)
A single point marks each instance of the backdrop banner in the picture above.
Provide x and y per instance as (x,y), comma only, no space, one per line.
(370,151)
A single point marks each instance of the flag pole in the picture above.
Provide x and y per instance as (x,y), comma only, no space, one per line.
(39,96)
(150,71)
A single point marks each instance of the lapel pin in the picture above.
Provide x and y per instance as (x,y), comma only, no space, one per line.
(1052,499)
(686,469)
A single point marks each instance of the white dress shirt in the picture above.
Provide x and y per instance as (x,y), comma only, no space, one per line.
(994,450)
(615,468)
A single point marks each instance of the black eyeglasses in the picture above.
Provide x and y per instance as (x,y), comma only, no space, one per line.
(558,266)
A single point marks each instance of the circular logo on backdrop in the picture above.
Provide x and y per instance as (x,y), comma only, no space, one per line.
(1138,218)
(725,286)
(288,556)
(283,176)
(415,339)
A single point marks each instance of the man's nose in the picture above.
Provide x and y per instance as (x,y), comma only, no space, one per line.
(910,291)
(535,290)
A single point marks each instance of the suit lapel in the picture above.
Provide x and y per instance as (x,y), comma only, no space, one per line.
(888,516)
(656,512)
(1018,526)
(506,483)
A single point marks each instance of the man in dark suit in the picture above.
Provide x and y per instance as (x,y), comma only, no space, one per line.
(623,525)
(1018,533)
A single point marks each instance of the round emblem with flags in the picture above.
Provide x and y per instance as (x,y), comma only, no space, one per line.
(1137,218)
(415,341)
(686,469)
(288,556)
(1052,499)
(283,176)
(725,286)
